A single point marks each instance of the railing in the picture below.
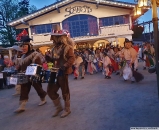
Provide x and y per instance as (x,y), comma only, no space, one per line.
(104,32)
(115,30)
(41,39)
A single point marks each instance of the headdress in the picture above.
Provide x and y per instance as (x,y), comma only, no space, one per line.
(25,40)
(17,48)
(105,52)
(127,40)
(59,33)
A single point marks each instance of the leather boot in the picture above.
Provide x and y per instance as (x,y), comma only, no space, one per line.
(66,111)
(43,101)
(17,89)
(21,107)
(58,106)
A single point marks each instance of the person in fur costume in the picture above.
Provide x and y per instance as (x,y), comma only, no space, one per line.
(62,56)
(29,56)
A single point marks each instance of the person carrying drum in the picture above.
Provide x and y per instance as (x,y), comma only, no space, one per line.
(29,56)
(62,56)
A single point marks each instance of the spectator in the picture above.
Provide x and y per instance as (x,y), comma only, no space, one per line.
(45,65)
(7,61)
(1,62)
(1,69)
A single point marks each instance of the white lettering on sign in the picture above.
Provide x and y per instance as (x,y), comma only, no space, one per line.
(13,81)
(1,75)
(31,70)
(78,9)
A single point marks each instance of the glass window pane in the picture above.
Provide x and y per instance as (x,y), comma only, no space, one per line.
(49,30)
(80,25)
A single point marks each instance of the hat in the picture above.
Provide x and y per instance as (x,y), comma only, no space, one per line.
(126,40)
(17,48)
(59,33)
(25,39)
(112,46)
(105,53)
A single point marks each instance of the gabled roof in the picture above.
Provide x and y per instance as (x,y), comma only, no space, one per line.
(63,3)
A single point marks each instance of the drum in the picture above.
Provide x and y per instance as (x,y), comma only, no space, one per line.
(18,79)
(7,72)
(53,75)
(35,72)
(1,75)
(46,75)
(1,68)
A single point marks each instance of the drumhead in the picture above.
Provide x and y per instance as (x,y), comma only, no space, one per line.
(54,69)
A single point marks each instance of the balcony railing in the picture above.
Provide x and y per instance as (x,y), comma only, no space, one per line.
(104,32)
(115,30)
(41,39)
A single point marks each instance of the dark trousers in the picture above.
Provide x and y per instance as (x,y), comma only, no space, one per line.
(25,89)
(1,83)
(86,65)
(62,82)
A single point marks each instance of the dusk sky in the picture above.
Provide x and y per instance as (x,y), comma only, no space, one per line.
(41,3)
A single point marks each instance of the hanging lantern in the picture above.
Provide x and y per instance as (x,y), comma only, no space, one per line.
(137,11)
(142,3)
(157,2)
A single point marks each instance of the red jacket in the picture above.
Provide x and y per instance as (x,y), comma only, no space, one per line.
(136,48)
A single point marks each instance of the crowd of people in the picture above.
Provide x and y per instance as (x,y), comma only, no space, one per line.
(120,60)
(113,59)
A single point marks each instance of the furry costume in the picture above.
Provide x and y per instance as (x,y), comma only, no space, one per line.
(62,56)
(30,57)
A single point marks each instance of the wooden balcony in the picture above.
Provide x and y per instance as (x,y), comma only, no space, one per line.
(108,32)
(104,33)
(41,39)
(116,30)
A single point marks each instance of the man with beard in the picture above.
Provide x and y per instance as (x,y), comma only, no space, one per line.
(29,56)
(62,56)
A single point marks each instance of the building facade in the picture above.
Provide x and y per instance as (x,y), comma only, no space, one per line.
(91,23)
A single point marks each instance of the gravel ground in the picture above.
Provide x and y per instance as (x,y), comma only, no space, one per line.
(96,104)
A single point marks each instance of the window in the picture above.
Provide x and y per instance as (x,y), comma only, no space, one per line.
(81,25)
(115,20)
(45,28)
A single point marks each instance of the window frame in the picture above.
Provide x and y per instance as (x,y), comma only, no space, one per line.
(114,20)
(42,28)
